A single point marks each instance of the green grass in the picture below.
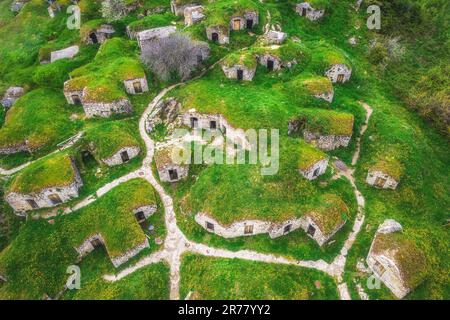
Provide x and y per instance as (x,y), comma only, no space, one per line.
(327,122)
(207,278)
(36,260)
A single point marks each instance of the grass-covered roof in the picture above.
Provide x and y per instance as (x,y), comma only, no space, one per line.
(308,156)
(408,258)
(109,137)
(388,164)
(53,171)
(39,117)
(220,12)
(325,56)
(246,59)
(151,21)
(166,155)
(326,122)
(288,51)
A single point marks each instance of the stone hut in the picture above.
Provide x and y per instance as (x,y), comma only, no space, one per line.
(384,174)
(67,53)
(244,20)
(193,15)
(23,197)
(275,37)
(396,260)
(73,90)
(312,162)
(11,95)
(17,5)
(143,213)
(123,155)
(96,240)
(271,61)
(94,105)
(320,87)
(98,34)
(240,66)
(146,37)
(179,6)
(218,34)
(305,9)
(168,169)
(136,85)
(339,73)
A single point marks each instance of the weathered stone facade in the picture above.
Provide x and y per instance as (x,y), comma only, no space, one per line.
(306,10)
(239,72)
(73,96)
(106,109)
(381,180)
(247,21)
(255,227)
(17,5)
(67,53)
(123,155)
(339,73)
(11,95)
(165,112)
(99,35)
(119,260)
(21,147)
(144,212)
(146,37)
(136,86)
(327,96)
(326,142)
(193,14)
(45,198)
(275,37)
(270,61)
(218,34)
(168,170)
(315,170)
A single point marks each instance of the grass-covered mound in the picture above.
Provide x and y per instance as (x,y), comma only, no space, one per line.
(151,21)
(246,59)
(325,56)
(220,12)
(390,165)
(326,122)
(288,51)
(309,85)
(35,262)
(109,137)
(53,171)
(329,213)
(39,117)
(309,156)
(228,279)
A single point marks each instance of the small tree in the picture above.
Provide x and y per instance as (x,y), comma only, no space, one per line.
(113,9)
(177,55)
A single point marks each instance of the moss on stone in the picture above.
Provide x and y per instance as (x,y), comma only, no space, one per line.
(327,122)
(246,59)
(388,164)
(309,156)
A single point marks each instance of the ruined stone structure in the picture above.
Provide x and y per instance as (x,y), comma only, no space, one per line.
(177,7)
(315,170)
(136,86)
(45,198)
(326,142)
(144,212)
(380,179)
(193,14)
(11,95)
(67,53)
(146,37)
(275,37)
(99,35)
(239,72)
(165,112)
(97,240)
(389,257)
(121,156)
(168,169)
(105,109)
(270,61)
(246,21)
(219,34)
(339,73)
(306,10)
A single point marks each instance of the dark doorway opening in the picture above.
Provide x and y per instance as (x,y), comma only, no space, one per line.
(311,230)
(240,74)
(33,204)
(96,243)
(76,99)
(215,37)
(303,11)
(287,228)
(316,172)
(250,24)
(55,199)
(194,122)
(173,174)
(209,226)
(140,217)
(199,58)
(94,38)
(270,65)
(137,87)
(124,155)
(213,125)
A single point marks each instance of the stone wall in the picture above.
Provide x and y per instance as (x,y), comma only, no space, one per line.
(327,96)
(129,85)
(179,9)
(250,15)
(119,260)
(11,95)
(182,171)
(146,210)
(105,110)
(320,165)
(223,35)
(374,175)
(18,201)
(68,53)
(326,142)
(336,70)
(102,34)
(116,159)
(86,247)
(231,72)
(22,147)
(70,93)
(305,9)
(193,14)
(264,58)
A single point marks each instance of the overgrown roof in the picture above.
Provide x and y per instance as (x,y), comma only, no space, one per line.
(327,122)
(53,171)
(308,156)
(409,259)
(220,12)
(388,164)
(164,155)
(246,59)
(288,51)
(151,21)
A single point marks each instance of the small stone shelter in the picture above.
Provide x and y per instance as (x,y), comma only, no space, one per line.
(218,34)
(275,37)
(168,169)
(305,9)
(396,260)
(385,173)
(135,85)
(241,67)
(193,14)
(67,53)
(312,162)
(11,95)
(147,36)
(178,6)
(339,73)
(123,155)
(244,20)
(98,34)
(320,87)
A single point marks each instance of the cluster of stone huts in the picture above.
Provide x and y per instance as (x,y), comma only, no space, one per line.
(396,260)
(321,224)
